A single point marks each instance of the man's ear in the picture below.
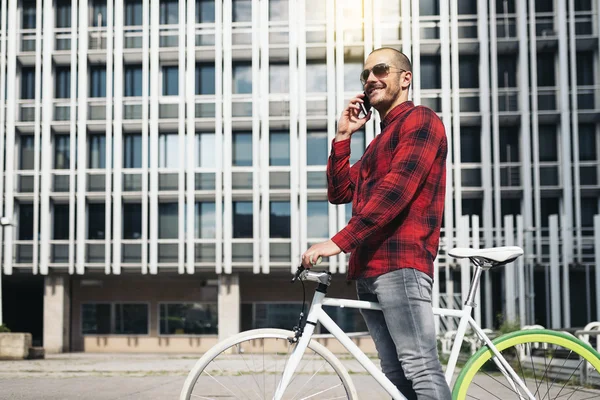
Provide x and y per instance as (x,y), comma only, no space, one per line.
(406,80)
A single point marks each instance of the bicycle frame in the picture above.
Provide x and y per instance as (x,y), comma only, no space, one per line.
(317,314)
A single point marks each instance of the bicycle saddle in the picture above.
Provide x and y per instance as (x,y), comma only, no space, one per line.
(495,255)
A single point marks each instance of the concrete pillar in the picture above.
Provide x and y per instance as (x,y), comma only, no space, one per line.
(56,313)
(229,305)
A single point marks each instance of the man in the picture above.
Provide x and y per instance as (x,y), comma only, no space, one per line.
(397,191)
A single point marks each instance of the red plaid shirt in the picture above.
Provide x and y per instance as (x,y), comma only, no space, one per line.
(397,191)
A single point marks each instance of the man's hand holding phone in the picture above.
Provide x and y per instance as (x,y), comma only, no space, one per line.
(351,119)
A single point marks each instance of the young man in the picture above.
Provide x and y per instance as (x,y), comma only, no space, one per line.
(397,191)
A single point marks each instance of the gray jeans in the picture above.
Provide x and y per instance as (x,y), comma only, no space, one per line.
(404,333)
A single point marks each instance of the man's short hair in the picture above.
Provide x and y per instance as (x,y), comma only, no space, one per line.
(400,59)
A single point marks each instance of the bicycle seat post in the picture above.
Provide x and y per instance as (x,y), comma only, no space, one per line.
(474,283)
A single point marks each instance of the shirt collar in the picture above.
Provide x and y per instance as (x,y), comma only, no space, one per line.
(395,112)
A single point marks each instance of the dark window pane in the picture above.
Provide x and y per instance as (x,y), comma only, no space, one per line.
(98,81)
(279,148)
(472,207)
(507,71)
(25,225)
(587,142)
(429,7)
(470,144)
(242,219)
(205,11)
(279,219)
(583,5)
(132,221)
(431,73)
(545,69)
(242,149)
(97,151)
(549,206)
(467,7)
(468,71)
(133,12)
(62,82)
(205,78)
(28,83)
(168,223)
(95,319)
(316,148)
(543,6)
(99,16)
(131,319)
(505,7)
(189,319)
(62,152)
(585,68)
(242,10)
(132,151)
(63,14)
(96,221)
(548,143)
(27,155)
(133,80)
(170,81)
(28,15)
(60,225)
(169,12)
(509,145)
(589,208)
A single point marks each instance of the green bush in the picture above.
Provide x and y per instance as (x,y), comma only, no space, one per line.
(507,326)
(4,328)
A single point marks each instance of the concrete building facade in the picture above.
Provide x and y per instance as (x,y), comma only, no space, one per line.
(164,161)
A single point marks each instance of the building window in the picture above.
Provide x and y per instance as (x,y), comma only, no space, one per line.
(279,148)
(429,7)
(472,207)
(242,78)
(62,152)
(316,148)
(583,5)
(468,71)
(510,147)
(505,7)
(279,78)
(98,81)
(28,15)
(431,72)
(548,207)
(132,151)
(205,220)
(168,150)
(25,225)
(543,6)
(585,68)
(133,12)
(170,80)
(205,11)
(27,153)
(27,83)
(169,12)
(168,221)
(206,150)
(548,143)
(242,149)
(62,82)
(96,221)
(589,208)
(587,143)
(279,220)
(545,69)
(507,71)
(97,151)
(470,144)
(241,10)
(63,13)
(60,223)
(317,221)
(132,221)
(99,15)
(205,78)
(133,81)
(278,10)
(357,145)
(118,318)
(352,70)
(242,220)
(316,77)
(468,7)
(189,319)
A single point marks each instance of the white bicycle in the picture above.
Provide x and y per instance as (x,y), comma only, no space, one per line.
(279,364)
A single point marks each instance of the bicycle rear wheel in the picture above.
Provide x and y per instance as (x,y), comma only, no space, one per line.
(250,365)
(548,362)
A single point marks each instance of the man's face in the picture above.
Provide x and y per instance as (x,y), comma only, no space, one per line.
(383,90)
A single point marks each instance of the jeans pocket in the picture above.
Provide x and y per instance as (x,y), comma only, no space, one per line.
(425,284)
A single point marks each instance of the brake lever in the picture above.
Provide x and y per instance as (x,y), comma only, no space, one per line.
(299,272)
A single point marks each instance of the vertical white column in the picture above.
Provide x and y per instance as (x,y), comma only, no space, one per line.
(45,142)
(535,145)
(118,140)
(36,128)
(405,27)
(295,17)
(220,35)
(185,87)
(509,271)
(73,135)
(260,141)
(190,157)
(465,264)
(495,121)
(574,112)
(227,139)
(455,147)
(82,93)
(3,30)
(486,145)
(371,21)
(260,128)
(299,221)
(11,100)
(146,73)
(475,244)
(110,83)
(554,289)
(565,154)
(520,265)
(416,52)
(566,262)
(153,136)
(597,263)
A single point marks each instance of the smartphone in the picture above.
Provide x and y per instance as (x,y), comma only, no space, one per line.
(366,105)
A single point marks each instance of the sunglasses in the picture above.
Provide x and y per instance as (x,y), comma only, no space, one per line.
(379,70)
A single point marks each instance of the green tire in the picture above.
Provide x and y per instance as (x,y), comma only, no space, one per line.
(484,354)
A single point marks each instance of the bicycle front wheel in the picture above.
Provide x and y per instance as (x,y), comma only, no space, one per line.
(250,365)
(548,362)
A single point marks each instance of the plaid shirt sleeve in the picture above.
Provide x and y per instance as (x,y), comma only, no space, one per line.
(421,138)
(341,178)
